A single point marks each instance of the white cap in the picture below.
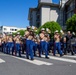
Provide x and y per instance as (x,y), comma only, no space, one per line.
(47,29)
(56,31)
(73,33)
(61,31)
(33,27)
(29,27)
(42,29)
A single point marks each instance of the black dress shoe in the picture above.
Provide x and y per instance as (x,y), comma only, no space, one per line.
(19,55)
(35,55)
(27,57)
(39,56)
(32,59)
(65,53)
(61,55)
(72,54)
(47,57)
(54,55)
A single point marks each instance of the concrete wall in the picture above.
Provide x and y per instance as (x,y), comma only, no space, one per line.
(54,14)
(45,14)
(49,14)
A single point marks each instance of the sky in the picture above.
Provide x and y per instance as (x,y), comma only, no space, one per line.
(15,12)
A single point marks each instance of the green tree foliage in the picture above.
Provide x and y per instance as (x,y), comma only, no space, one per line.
(14,33)
(52,26)
(71,23)
(22,32)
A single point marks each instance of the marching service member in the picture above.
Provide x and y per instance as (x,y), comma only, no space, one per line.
(14,47)
(35,47)
(43,43)
(29,45)
(18,45)
(34,40)
(9,44)
(57,44)
(0,43)
(4,42)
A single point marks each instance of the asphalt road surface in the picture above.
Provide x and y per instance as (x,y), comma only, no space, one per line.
(55,65)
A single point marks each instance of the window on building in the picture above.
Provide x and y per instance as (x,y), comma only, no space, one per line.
(38,24)
(72,13)
(1,28)
(15,29)
(12,29)
(5,28)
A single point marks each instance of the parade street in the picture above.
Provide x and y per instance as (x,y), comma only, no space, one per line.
(55,65)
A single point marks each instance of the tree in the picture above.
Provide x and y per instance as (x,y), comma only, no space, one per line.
(52,26)
(71,23)
(22,32)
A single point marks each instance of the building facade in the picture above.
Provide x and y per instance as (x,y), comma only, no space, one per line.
(9,30)
(48,11)
(45,11)
(69,9)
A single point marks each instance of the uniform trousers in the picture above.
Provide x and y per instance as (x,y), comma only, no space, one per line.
(43,48)
(18,49)
(57,46)
(9,46)
(29,49)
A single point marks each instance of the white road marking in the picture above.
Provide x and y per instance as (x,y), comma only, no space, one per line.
(61,59)
(70,56)
(36,62)
(3,54)
(2,61)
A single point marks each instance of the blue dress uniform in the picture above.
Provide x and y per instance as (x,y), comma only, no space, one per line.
(9,44)
(35,48)
(4,47)
(44,48)
(29,49)
(29,45)
(57,44)
(13,48)
(35,45)
(43,45)
(9,47)
(18,47)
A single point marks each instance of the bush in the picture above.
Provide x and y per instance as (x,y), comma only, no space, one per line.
(52,26)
